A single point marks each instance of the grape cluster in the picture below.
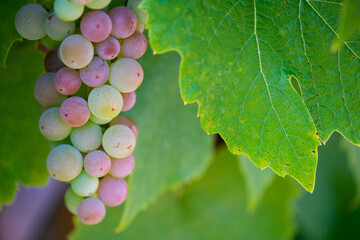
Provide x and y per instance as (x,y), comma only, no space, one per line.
(91,77)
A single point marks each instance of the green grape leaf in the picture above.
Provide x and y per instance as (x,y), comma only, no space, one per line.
(212,208)
(257,181)
(23,149)
(8,32)
(238,58)
(171,148)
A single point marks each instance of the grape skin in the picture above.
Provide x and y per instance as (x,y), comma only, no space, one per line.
(129,100)
(45,92)
(108,49)
(96,73)
(72,200)
(126,75)
(29,21)
(91,211)
(98,120)
(58,29)
(119,141)
(97,163)
(135,46)
(112,192)
(122,167)
(74,111)
(141,15)
(68,10)
(87,137)
(76,51)
(82,2)
(64,163)
(124,22)
(96,26)
(52,126)
(124,120)
(52,62)
(67,81)
(85,185)
(98,4)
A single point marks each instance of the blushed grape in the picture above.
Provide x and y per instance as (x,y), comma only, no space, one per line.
(87,137)
(64,163)
(105,102)
(52,126)
(96,73)
(68,10)
(119,141)
(135,46)
(124,22)
(76,51)
(85,185)
(29,21)
(122,167)
(58,29)
(108,49)
(67,81)
(96,26)
(72,200)
(123,120)
(97,163)
(91,211)
(52,63)
(141,15)
(129,100)
(45,92)
(98,120)
(112,192)
(126,75)
(74,111)
(82,2)
(98,4)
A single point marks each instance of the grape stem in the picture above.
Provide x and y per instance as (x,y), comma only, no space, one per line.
(43,48)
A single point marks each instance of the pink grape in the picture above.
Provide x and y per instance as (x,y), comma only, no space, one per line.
(108,49)
(122,167)
(124,22)
(45,92)
(96,73)
(96,26)
(52,62)
(74,111)
(97,163)
(67,81)
(129,100)
(135,46)
(112,192)
(123,120)
(91,211)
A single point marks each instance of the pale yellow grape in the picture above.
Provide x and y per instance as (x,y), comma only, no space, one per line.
(52,126)
(85,185)
(98,120)
(68,10)
(119,141)
(98,4)
(72,200)
(126,75)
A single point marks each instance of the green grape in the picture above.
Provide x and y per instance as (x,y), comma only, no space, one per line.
(140,14)
(52,126)
(98,120)
(98,4)
(72,200)
(29,21)
(85,185)
(87,137)
(119,141)
(105,102)
(58,29)
(64,162)
(68,10)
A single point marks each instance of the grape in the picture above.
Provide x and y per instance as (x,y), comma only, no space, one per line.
(58,29)
(85,185)
(105,102)
(67,81)
(98,4)
(129,100)
(98,120)
(126,75)
(97,163)
(87,137)
(108,49)
(45,92)
(127,122)
(82,2)
(119,141)
(96,26)
(68,10)
(122,167)
(124,22)
(64,162)
(112,192)
(140,28)
(52,126)
(52,62)
(29,21)
(74,111)
(76,51)
(91,211)
(96,73)
(135,46)
(141,15)
(72,200)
